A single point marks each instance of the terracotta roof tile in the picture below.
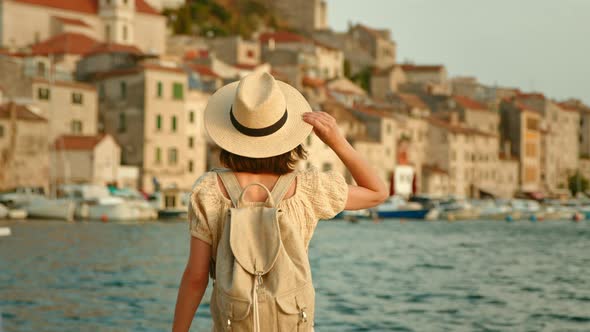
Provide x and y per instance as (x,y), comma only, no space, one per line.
(86,6)
(203,70)
(456,129)
(196,54)
(77,142)
(282,37)
(69,84)
(412,100)
(71,21)
(313,82)
(113,48)
(22,113)
(65,43)
(469,103)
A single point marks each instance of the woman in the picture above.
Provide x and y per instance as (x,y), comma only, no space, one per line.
(260,124)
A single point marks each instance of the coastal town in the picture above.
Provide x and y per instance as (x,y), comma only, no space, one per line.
(111,93)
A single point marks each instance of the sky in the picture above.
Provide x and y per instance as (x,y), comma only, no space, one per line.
(535,45)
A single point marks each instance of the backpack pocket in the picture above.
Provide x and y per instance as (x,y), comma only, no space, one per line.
(296,310)
(232,314)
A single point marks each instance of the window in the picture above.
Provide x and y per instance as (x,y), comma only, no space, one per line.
(123,86)
(101,91)
(250,54)
(532,124)
(191,141)
(124,33)
(41,69)
(122,123)
(531,150)
(107,32)
(76,127)
(191,166)
(158,122)
(191,117)
(158,158)
(174,124)
(160,89)
(177,91)
(1,131)
(77,98)
(43,93)
(170,201)
(172,156)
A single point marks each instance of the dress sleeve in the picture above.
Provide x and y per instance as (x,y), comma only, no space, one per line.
(197,216)
(329,192)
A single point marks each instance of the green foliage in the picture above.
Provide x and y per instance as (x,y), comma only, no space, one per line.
(578,183)
(209,18)
(363,78)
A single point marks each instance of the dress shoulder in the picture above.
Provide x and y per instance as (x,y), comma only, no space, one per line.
(202,204)
(326,191)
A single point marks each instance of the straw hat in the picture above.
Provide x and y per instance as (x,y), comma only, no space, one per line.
(257,117)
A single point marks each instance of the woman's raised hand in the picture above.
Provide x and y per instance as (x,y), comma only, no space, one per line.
(325,127)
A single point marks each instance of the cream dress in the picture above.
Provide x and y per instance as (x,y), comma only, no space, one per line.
(318,195)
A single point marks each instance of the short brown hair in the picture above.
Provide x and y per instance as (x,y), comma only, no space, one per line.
(280,164)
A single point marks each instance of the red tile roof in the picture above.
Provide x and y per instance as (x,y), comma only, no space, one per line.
(525,107)
(421,68)
(196,54)
(412,100)
(114,48)
(77,142)
(245,66)
(469,103)
(22,113)
(203,70)
(86,6)
(282,37)
(312,82)
(68,84)
(456,129)
(534,95)
(71,21)
(65,43)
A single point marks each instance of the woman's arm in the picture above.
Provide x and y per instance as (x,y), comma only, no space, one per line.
(193,284)
(370,190)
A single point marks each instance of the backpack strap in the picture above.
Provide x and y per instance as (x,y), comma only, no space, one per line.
(231,184)
(282,186)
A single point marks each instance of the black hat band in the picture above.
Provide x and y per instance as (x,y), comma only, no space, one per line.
(258,132)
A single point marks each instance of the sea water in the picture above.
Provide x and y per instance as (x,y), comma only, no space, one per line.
(390,276)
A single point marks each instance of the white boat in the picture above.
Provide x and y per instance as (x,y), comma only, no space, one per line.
(459,209)
(96,203)
(171,203)
(396,207)
(18,214)
(3,212)
(492,210)
(5,231)
(45,208)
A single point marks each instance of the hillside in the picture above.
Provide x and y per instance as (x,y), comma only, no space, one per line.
(221,18)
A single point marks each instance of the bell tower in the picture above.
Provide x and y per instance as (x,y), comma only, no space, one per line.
(117,20)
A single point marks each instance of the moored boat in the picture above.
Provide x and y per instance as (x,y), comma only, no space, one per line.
(397,207)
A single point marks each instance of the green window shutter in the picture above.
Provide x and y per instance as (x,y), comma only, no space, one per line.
(173,124)
(123,89)
(158,155)
(177,91)
(191,117)
(122,122)
(158,122)
(160,89)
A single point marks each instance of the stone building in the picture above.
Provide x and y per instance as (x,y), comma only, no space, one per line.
(475,114)
(386,81)
(145,109)
(24,151)
(467,154)
(235,50)
(584,114)
(196,159)
(128,22)
(436,181)
(85,159)
(520,126)
(303,15)
(507,176)
(429,79)
(70,107)
(317,60)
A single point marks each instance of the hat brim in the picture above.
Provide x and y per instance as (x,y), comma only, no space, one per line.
(219,127)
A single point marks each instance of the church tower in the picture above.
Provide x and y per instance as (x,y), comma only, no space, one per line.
(118,20)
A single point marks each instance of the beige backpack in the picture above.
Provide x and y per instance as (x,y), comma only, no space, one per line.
(262,278)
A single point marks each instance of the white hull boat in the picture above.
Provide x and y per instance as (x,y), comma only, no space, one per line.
(44,208)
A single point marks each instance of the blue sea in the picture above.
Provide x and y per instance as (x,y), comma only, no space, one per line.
(390,276)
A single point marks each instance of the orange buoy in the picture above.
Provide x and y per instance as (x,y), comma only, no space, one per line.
(104,218)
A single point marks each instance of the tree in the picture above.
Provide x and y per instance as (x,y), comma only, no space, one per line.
(578,183)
